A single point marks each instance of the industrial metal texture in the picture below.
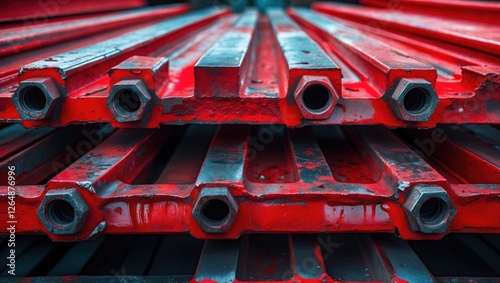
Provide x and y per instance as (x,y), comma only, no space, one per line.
(79,182)
(165,144)
(330,65)
(258,258)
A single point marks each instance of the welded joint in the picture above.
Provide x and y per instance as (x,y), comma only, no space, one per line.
(63,211)
(413,100)
(129,100)
(36,98)
(315,97)
(429,209)
(215,209)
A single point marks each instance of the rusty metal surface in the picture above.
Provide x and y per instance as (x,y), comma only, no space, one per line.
(329,65)
(259,258)
(226,181)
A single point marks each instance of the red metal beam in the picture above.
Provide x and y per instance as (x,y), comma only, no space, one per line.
(15,40)
(11,64)
(478,36)
(75,69)
(372,59)
(260,177)
(36,11)
(227,62)
(476,11)
(297,85)
(323,258)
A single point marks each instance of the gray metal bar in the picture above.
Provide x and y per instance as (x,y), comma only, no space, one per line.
(397,259)
(226,62)
(306,261)
(225,157)
(219,261)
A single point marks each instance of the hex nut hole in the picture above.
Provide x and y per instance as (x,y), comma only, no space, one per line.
(60,212)
(416,101)
(316,98)
(127,101)
(33,99)
(215,211)
(433,211)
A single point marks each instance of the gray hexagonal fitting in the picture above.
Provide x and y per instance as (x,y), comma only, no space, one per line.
(413,100)
(129,100)
(316,97)
(63,211)
(36,98)
(215,209)
(429,209)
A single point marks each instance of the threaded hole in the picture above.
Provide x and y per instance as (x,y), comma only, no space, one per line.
(215,211)
(127,101)
(433,211)
(33,98)
(60,212)
(316,98)
(416,101)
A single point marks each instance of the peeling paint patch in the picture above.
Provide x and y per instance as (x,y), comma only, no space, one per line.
(402,185)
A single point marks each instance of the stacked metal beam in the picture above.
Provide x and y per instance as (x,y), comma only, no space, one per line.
(259,258)
(304,67)
(371,180)
(336,118)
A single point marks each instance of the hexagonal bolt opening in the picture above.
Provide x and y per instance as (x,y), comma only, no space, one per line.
(433,212)
(215,212)
(60,213)
(33,99)
(413,100)
(127,102)
(429,209)
(63,211)
(416,101)
(36,98)
(316,98)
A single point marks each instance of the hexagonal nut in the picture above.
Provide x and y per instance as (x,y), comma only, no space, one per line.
(215,209)
(429,209)
(413,100)
(316,97)
(63,211)
(36,98)
(129,100)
